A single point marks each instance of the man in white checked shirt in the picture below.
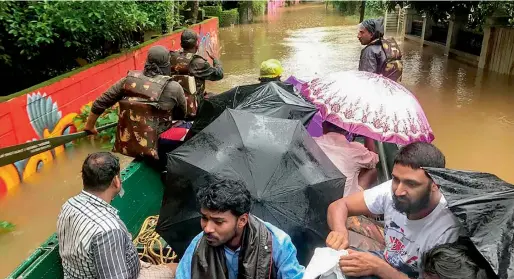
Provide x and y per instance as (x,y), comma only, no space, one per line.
(93,241)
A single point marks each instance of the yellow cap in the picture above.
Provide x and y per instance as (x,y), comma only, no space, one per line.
(271,68)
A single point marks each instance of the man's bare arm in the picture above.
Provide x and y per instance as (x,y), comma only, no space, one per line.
(338,211)
(359,264)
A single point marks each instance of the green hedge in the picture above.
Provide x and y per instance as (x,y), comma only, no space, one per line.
(83,68)
(212,10)
(259,7)
(229,17)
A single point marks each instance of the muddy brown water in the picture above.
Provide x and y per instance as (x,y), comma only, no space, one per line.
(470,112)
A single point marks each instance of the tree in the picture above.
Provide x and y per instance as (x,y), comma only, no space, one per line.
(477,11)
(44,39)
(369,8)
(195,8)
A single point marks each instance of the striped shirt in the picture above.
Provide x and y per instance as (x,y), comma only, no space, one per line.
(93,241)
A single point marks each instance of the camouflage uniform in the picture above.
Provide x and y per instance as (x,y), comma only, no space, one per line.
(185,63)
(147,108)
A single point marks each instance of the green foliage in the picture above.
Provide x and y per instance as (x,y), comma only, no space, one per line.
(6,226)
(258,7)
(375,8)
(106,137)
(161,14)
(475,11)
(212,10)
(229,17)
(43,39)
(77,24)
(347,7)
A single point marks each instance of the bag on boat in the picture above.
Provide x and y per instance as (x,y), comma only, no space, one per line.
(189,86)
(325,264)
(141,119)
(393,68)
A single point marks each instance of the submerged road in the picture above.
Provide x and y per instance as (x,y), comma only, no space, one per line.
(470,112)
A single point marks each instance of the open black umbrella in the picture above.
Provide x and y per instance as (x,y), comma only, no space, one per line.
(290,178)
(276,99)
(484,205)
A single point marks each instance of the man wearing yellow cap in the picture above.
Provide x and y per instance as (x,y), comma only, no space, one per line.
(271,70)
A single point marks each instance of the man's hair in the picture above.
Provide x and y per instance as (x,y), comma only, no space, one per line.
(224,195)
(264,79)
(188,39)
(329,127)
(98,171)
(452,261)
(420,154)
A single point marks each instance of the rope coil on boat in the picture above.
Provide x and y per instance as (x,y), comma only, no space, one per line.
(155,249)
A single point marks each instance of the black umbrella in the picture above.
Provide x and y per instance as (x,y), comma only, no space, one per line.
(484,205)
(290,178)
(276,99)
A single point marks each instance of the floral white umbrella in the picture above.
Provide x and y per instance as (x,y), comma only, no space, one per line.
(371,105)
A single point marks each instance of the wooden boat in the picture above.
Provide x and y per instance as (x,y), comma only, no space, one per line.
(143,195)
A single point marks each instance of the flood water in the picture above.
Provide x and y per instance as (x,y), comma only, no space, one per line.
(470,112)
(34,207)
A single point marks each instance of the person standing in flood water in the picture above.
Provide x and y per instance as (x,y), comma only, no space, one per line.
(380,56)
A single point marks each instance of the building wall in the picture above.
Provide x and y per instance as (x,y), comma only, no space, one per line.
(500,55)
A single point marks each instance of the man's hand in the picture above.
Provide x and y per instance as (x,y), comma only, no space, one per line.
(90,124)
(338,240)
(91,130)
(359,264)
(212,51)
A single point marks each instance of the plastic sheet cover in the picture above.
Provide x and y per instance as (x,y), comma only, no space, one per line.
(484,204)
(291,180)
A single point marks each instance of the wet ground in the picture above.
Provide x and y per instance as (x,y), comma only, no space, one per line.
(470,112)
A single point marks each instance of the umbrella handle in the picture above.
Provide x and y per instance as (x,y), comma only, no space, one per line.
(383,160)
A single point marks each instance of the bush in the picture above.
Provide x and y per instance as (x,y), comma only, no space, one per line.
(43,39)
(229,17)
(248,10)
(347,7)
(6,226)
(106,137)
(161,14)
(258,7)
(212,10)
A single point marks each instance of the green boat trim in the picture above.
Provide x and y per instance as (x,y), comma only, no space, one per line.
(143,196)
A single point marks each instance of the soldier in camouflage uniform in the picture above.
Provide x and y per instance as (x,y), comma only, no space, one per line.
(380,56)
(148,102)
(186,62)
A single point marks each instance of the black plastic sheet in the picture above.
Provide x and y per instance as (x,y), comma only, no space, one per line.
(484,204)
(275,99)
(290,178)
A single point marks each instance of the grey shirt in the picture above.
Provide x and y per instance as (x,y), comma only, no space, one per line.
(373,59)
(94,242)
